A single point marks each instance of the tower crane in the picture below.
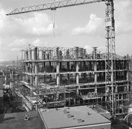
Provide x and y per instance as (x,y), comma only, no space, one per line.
(110,37)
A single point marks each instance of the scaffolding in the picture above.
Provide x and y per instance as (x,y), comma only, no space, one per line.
(71,76)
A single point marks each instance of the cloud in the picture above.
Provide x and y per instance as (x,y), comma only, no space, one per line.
(102,49)
(93,24)
(123,13)
(18,43)
(1,52)
(123,21)
(3,21)
(38,42)
(17,32)
(15,47)
(88,48)
(38,24)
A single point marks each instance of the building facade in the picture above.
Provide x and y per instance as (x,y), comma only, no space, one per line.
(82,75)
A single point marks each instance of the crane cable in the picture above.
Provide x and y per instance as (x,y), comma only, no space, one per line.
(54,22)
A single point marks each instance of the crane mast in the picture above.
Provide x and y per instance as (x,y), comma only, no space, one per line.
(110,54)
(110,38)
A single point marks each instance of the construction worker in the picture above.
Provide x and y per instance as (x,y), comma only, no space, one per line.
(26,116)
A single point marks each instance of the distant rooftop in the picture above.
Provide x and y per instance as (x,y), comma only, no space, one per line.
(72,117)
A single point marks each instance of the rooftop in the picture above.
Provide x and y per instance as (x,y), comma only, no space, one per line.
(71,117)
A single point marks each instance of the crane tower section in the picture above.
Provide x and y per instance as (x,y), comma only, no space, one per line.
(110,54)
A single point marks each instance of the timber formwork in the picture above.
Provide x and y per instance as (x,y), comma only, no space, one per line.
(80,73)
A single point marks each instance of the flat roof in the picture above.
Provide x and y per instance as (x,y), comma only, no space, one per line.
(71,117)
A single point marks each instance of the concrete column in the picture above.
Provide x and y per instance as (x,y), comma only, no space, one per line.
(95,76)
(94,52)
(26,55)
(57,73)
(44,55)
(61,81)
(23,55)
(31,81)
(36,74)
(30,54)
(127,78)
(26,67)
(44,72)
(95,72)
(50,66)
(115,90)
(44,66)
(84,65)
(50,70)
(77,91)
(68,76)
(28,51)
(33,54)
(57,52)
(77,74)
(41,54)
(95,89)
(23,77)
(26,77)
(33,68)
(127,75)
(30,68)
(38,54)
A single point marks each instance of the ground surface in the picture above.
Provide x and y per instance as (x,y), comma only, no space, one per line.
(16,121)
(12,116)
(120,126)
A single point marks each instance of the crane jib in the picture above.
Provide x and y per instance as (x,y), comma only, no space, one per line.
(53,6)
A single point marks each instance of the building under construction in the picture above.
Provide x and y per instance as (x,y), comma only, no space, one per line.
(71,76)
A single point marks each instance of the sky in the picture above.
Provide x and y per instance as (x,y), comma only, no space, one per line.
(82,26)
